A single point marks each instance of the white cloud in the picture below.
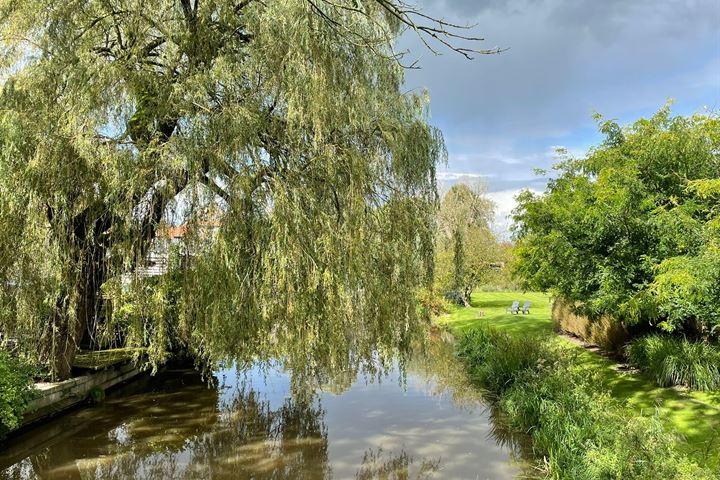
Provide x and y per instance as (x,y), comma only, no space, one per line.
(501,114)
(449,176)
(504,205)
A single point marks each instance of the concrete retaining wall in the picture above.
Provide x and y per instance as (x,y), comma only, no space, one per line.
(55,397)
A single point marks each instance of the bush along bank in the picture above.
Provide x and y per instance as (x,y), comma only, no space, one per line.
(578,431)
(16,391)
(669,360)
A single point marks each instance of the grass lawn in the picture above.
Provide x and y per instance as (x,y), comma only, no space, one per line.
(695,415)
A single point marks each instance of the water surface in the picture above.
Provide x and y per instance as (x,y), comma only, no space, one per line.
(426,423)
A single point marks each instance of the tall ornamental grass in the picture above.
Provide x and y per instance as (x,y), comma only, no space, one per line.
(677,361)
(498,358)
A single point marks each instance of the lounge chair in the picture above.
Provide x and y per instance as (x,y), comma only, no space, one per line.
(526,307)
(514,308)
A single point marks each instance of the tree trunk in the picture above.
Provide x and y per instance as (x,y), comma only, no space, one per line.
(70,325)
(467,292)
(79,307)
(59,348)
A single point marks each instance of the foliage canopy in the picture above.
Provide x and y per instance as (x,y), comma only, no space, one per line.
(119,118)
(633,229)
(466,247)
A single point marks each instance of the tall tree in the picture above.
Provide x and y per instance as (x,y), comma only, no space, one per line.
(632,229)
(467,248)
(288,114)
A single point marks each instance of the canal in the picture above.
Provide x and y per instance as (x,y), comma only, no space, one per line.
(416,422)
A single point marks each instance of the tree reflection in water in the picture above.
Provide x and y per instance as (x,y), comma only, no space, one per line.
(436,363)
(185,433)
(175,426)
(376,464)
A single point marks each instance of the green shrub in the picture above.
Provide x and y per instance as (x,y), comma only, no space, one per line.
(677,361)
(432,303)
(473,345)
(564,413)
(16,391)
(583,433)
(608,233)
(543,401)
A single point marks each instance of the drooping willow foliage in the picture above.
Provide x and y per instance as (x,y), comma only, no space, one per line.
(466,249)
(285,119)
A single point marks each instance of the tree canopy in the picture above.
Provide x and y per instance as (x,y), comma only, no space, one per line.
(286,116)
(467,250)
(633,229)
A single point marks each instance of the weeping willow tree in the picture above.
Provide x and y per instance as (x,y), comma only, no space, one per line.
(285,118)
(467,250)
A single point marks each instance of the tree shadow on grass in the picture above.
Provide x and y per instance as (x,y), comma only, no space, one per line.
(695,420)
(695,416)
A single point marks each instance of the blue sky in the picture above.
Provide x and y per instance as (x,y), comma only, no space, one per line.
(503,115)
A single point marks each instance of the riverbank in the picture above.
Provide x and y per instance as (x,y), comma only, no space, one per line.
(95,372)
(693,415)
(52,398)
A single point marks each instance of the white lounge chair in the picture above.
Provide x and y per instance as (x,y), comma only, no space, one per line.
(526,307)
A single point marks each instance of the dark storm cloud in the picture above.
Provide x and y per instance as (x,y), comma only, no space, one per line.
(601,17)
(566,60)
(502,115)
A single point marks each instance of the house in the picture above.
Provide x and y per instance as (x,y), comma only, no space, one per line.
(188,239)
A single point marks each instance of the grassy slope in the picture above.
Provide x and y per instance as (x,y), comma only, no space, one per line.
(696,415)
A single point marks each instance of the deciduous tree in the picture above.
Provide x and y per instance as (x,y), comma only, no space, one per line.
(467,248)
(288,114)
(632,229)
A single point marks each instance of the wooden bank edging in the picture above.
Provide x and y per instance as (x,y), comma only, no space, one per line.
(53,398)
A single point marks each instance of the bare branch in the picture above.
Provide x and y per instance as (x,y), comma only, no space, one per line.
(428,29)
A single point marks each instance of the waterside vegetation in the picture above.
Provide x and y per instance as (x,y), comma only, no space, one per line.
(581,408)
(632,229)
(16,380)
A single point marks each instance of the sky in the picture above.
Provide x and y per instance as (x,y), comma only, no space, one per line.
(503,115)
